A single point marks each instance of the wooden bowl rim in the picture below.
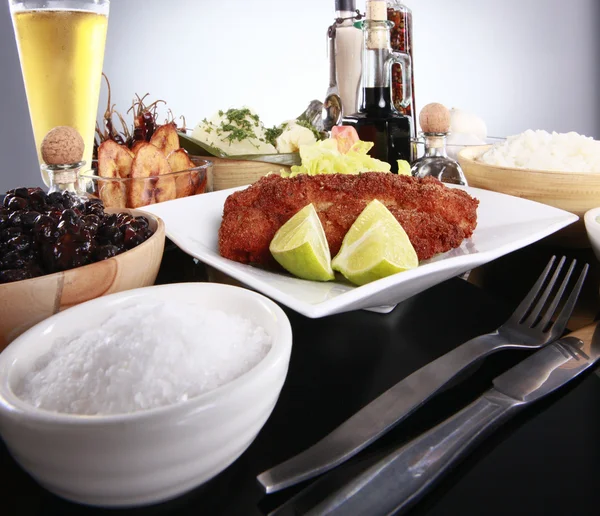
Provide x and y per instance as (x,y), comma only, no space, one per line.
(158,232)
(231,162)
(467,156)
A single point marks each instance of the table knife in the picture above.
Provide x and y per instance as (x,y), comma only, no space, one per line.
(399,480)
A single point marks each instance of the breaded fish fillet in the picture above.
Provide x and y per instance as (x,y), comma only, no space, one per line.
(435,217)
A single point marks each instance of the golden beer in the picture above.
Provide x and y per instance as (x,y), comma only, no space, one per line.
(61,54)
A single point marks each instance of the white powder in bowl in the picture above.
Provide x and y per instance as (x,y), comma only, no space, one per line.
(540,150)
(145,356)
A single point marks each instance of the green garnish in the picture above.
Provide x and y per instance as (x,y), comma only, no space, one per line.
(240,115)
(273,133)
(235,133)
(239,123)
(308,125)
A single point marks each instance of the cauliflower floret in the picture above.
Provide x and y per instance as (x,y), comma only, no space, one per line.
(293,136)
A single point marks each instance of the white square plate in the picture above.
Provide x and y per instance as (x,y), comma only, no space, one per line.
(505,223)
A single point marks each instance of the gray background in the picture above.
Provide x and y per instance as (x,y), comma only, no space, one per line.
(519,64)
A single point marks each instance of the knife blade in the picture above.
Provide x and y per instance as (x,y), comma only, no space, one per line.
(399,480)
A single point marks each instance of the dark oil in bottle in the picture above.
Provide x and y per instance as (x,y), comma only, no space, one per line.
(378,122)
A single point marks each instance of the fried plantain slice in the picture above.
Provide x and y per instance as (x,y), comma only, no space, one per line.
(201,182)
(136,145)
(185,183)
(166,138)
(146,186)
(113,193)
(114,160)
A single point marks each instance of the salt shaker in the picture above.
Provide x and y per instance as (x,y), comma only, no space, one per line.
(62,152)
(435,123)
(348,53)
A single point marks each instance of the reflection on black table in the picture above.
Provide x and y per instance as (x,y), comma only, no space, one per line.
(546,461)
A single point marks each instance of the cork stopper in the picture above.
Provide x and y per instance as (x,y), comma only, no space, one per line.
(62,145)
(376,10)
(435,119)
(376,25)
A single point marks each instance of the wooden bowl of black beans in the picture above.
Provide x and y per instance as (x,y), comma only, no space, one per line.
(58,250)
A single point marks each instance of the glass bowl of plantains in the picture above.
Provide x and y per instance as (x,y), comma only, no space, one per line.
(147,187)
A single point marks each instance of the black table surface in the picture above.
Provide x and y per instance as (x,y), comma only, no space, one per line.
(546,461)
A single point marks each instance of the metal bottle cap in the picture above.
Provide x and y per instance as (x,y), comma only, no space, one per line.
(345,5)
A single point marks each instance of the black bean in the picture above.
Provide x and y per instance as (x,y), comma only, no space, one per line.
(20,243)
(17,204)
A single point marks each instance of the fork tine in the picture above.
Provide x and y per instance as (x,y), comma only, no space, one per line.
(567,310)
(557,297)
(535,313)
(525,305)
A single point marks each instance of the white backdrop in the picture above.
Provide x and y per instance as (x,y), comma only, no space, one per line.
(517,63)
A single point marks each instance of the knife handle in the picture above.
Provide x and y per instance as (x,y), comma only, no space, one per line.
(400,479)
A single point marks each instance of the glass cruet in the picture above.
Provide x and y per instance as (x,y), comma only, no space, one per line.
(377,120)
(435,124)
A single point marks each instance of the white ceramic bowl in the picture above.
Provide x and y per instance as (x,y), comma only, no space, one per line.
(146,456)
(592,226)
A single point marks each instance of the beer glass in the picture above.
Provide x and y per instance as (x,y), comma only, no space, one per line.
(61,51)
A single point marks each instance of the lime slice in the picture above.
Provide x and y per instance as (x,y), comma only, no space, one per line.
(375,246)
(300,246)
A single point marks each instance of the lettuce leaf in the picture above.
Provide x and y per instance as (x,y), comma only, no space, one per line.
(324,158)
(403,168)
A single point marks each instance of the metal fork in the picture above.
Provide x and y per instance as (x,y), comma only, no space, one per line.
(529,327)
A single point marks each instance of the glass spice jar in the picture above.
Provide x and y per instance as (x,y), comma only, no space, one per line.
(436,162)
(401,41)
(64,178)
(435,122)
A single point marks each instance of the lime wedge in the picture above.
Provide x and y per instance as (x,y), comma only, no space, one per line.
(375,246)
(300,246)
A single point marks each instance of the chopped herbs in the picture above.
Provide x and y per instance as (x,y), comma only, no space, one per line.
(238,125)
(275,132)
(308,125)
(209,126)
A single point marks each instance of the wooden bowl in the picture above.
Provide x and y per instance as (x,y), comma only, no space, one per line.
(570,191)
(229,173)
(25,303)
